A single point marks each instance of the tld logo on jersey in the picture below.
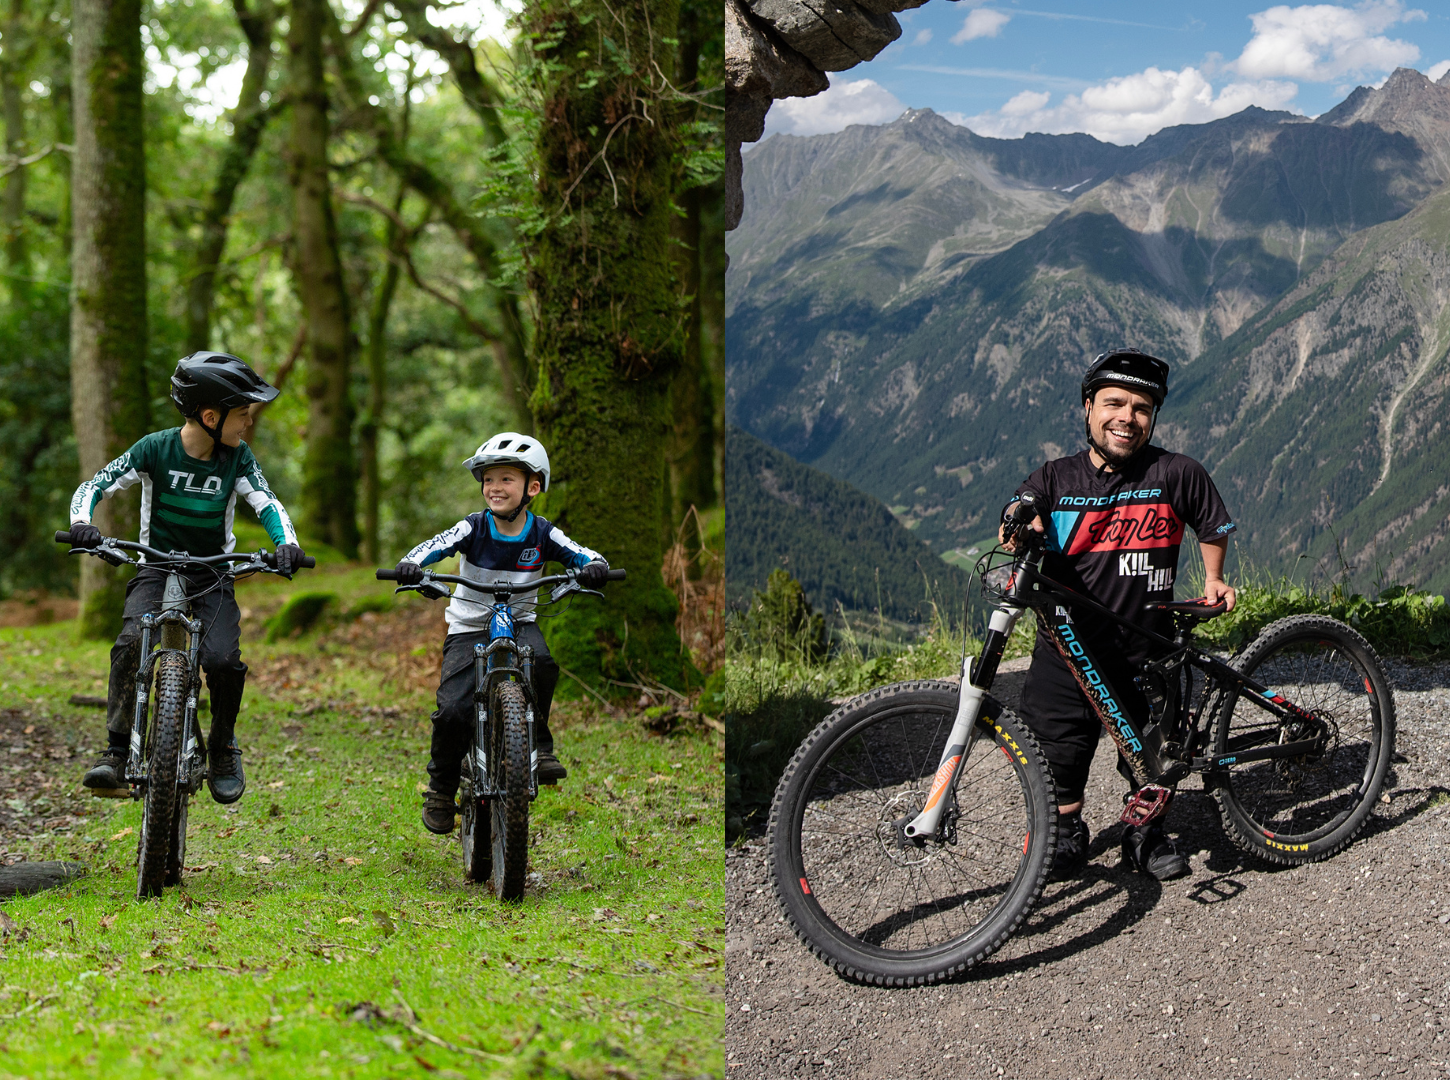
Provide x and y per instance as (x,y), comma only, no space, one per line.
(212,485)
(531,559)
(1135,564)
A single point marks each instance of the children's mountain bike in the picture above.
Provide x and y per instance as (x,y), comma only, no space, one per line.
(500,766)
(915,827)
(167,760)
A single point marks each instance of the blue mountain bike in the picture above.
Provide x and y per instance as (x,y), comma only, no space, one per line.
(500,767)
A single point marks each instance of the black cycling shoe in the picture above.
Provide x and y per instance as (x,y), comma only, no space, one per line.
(108,773)
(224,775)
(550,770)
(1073,839)
(438,812)
(1149,851)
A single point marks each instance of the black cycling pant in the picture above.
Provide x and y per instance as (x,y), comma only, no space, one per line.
(220,651)
(453,719)
(1067,728)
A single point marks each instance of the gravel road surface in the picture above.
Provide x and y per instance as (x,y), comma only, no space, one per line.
(1335,969)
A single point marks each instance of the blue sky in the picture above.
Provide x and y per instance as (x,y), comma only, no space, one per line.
(1122,70)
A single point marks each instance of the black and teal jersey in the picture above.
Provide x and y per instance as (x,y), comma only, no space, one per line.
(186,504)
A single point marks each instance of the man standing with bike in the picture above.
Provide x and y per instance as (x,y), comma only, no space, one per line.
(190,477)
(1114,516)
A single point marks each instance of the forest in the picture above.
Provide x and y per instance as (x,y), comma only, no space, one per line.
(424,223)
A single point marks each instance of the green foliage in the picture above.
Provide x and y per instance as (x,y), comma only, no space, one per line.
(299,615)
(1397,621)
(780,623)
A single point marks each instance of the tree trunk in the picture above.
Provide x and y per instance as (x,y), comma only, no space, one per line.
(329,473)
(378,380)
(609,337)
(62,119)
(247,120)
(692,398)
(109,401)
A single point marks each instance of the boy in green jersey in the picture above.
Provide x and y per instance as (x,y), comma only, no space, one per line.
(190,478)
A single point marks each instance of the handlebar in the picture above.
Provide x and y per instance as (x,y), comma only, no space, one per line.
(267,558)
(391,574)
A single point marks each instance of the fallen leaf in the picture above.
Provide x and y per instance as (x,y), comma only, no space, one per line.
(7,924)
(107,920)
(264,860)
(352,862)
(346,919)
(277,783)
(127,831)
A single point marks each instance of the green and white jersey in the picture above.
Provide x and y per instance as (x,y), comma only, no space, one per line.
(186,504)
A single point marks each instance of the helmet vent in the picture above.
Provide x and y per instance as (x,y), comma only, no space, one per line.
(522,448)
(504,445)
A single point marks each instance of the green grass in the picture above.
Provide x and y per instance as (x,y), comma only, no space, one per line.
(326,932)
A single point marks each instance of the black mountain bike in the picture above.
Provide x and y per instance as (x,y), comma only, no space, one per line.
(167,762)
(500,766)
(914,828)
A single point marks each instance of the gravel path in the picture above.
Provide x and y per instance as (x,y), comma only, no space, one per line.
(1336,969)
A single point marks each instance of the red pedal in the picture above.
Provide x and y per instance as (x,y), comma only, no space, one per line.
(1146,804)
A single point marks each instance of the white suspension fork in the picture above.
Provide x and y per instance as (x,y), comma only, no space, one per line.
(964,735)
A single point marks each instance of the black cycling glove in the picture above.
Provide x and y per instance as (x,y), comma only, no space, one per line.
(289,558)
(592,574)
(409,573)
(85,535)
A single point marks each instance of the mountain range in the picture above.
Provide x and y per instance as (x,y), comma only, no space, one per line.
(910,308)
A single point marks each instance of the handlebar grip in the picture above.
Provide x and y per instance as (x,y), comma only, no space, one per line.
(387,575)
(1026,508)
(307,562)
(63,537)
(615,575)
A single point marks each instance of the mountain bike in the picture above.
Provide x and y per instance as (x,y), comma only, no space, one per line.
(500,766)
(914,828)
(167,760)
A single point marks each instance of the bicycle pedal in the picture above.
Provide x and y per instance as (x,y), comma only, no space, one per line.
(110,792)
(1147,804)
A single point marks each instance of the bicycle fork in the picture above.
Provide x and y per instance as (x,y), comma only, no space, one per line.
(965,728)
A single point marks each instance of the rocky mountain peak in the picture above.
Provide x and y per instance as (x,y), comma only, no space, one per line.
(1406,99)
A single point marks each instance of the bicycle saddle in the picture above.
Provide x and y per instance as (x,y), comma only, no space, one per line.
(1190,609)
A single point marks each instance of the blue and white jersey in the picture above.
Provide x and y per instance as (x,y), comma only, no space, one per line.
(487,555)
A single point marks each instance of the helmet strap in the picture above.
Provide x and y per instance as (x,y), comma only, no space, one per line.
(519,509)
(219,449)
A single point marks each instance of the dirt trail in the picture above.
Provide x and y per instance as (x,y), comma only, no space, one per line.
(1336,969)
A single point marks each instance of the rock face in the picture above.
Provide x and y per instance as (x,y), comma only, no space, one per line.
(782,48)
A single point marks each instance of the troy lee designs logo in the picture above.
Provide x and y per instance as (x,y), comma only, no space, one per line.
(1099,688)
(212,485)
(1151,526)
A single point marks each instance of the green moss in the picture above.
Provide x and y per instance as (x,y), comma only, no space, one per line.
(300,614)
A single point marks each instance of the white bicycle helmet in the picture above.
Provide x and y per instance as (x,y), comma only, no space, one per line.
(511,448)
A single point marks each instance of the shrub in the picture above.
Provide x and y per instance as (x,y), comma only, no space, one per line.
(298,615)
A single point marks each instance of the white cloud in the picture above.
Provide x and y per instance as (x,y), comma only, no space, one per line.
(983,22)
(1128,109)
(1322,42)
(845,103)
(922,37)
(1438,70)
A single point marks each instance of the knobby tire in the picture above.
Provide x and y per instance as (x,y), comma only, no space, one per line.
(875,906)
(477,841)
(510,809)
(162,760)
(1298,810)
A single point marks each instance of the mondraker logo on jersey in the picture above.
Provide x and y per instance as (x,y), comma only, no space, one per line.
(531,559)
(1151,525)
(1135,564)
(1099,688)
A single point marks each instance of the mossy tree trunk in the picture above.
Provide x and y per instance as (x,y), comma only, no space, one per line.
(109,401)
(14,65)
(610,333)
(329,472)
(247,121)
(394,243)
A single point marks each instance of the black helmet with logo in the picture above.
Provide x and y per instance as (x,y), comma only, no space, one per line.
(1128,368)
(221,381)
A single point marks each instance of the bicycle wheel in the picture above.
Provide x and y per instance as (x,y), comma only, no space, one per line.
(477,841)
(176,850)
(884,909)
(509,809)
(163,740)
(1298,810)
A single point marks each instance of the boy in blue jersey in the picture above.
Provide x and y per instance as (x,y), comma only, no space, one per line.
(505,542)
(190,478)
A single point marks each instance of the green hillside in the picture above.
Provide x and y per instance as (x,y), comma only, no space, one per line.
(841,544)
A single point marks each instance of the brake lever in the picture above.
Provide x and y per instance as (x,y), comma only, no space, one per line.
(429,589)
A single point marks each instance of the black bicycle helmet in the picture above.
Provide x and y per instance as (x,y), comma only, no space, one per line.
(213,380)
(1130,368)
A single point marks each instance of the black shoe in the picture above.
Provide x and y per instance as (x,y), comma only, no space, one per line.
(550,770)
(1072,847)
(1149,851)
(108,773)
(438,811)
(224,772)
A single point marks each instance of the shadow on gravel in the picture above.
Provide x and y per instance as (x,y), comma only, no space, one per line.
(1415,802)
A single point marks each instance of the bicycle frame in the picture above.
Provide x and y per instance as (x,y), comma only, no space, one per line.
(1153,750)
(500,659)
(176,626)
